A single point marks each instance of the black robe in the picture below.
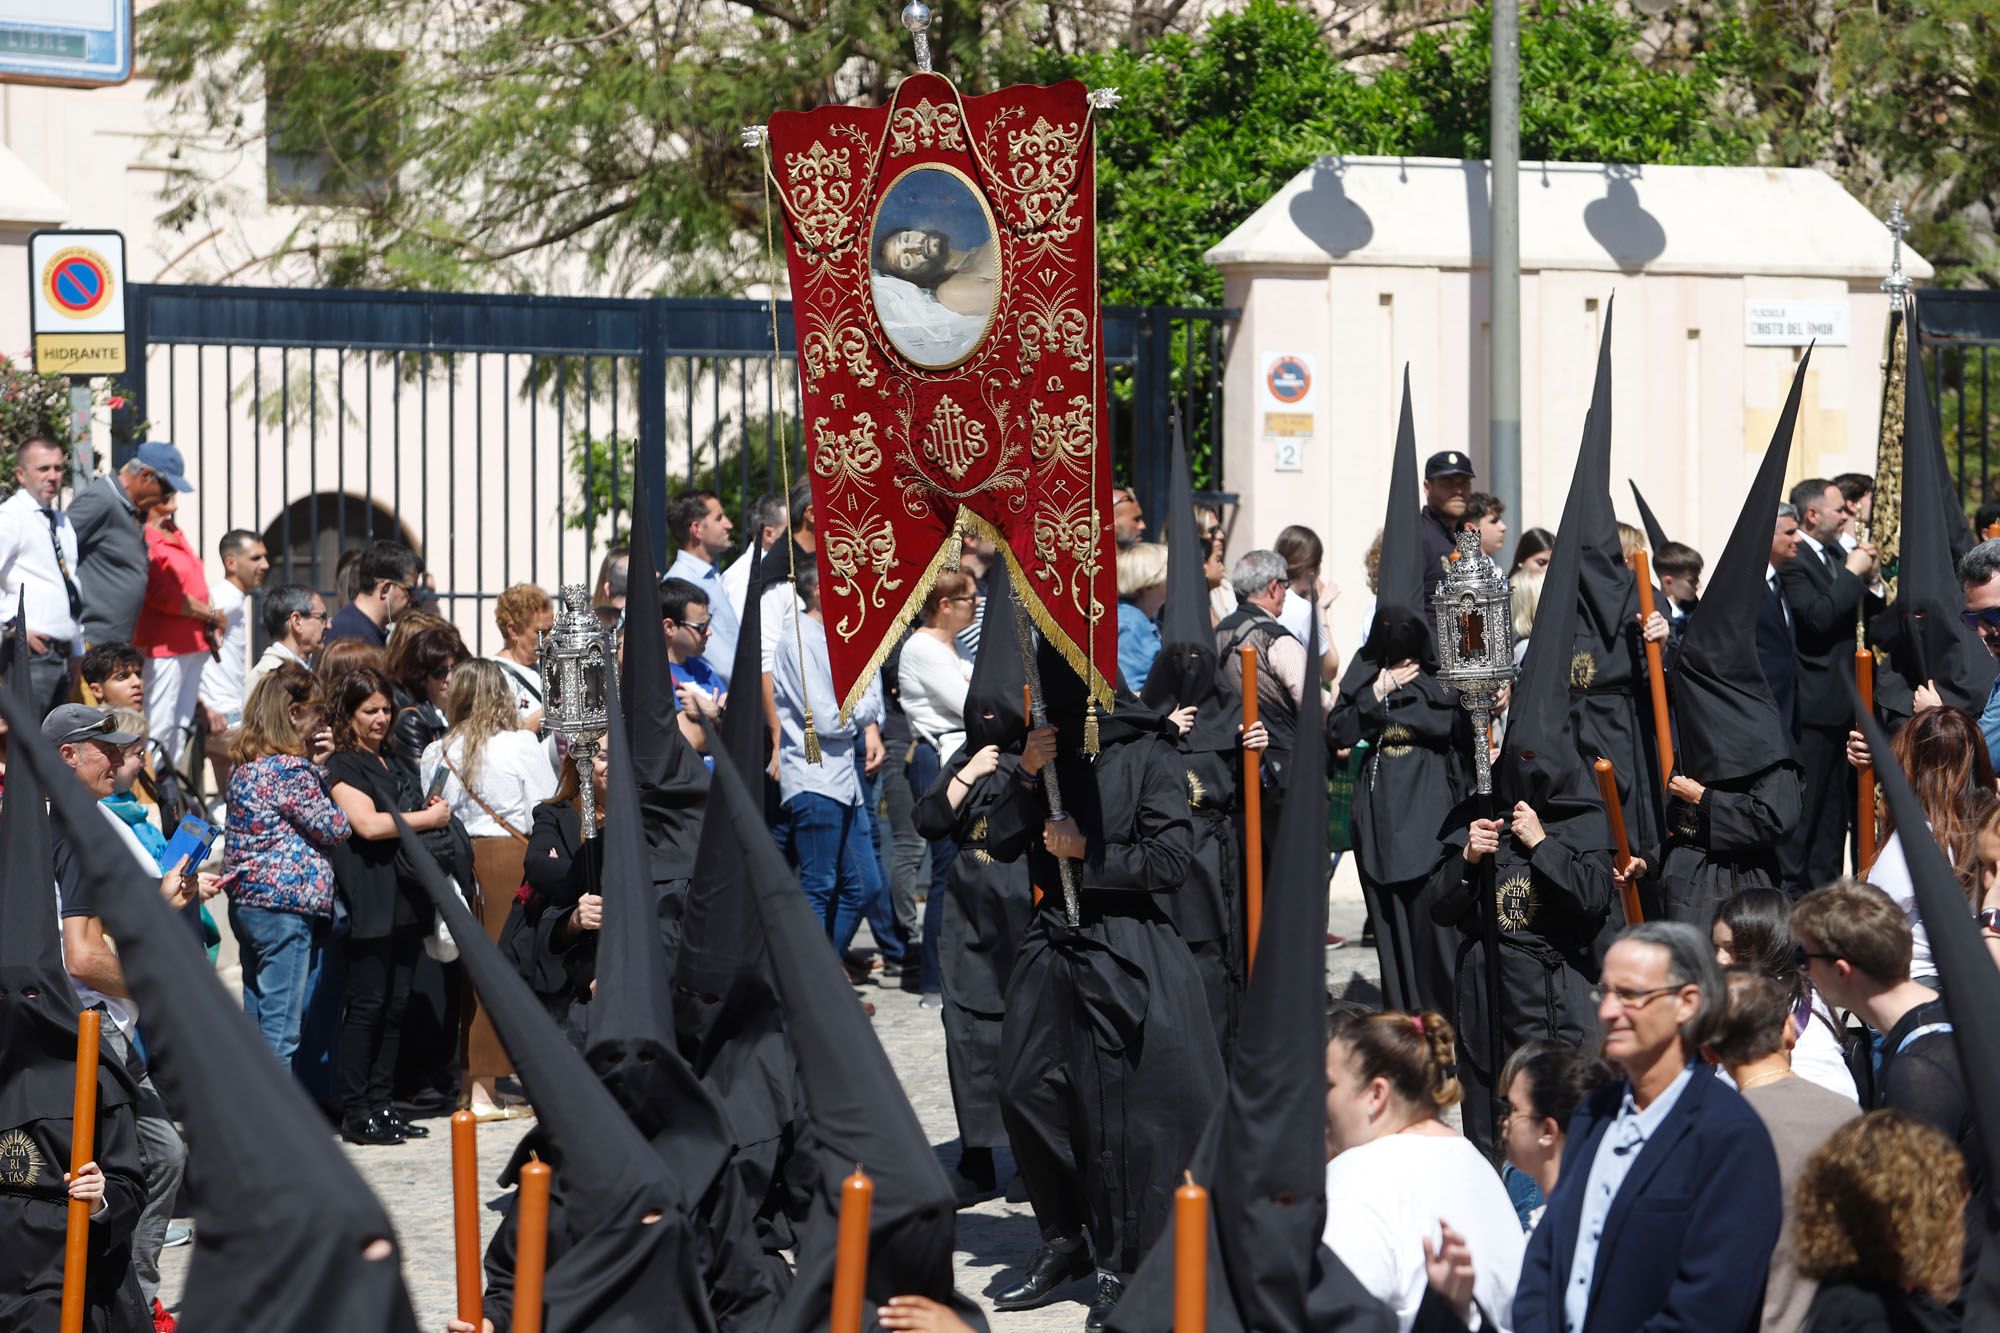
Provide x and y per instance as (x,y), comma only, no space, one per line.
(556,961)
(1729,842)
(34,1212)
(1555,905)
(1415,772)
(987,907)
(1208,911)
(1109,1066)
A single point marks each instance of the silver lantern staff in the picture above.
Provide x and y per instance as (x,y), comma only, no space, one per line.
(575,656)
(1475,639)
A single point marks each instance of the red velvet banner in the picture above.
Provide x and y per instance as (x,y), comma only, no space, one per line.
(943,260)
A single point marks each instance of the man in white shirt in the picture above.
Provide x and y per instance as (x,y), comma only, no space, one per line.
(703,531)
(244,565)
(38,566)
(766,521)
(295,621)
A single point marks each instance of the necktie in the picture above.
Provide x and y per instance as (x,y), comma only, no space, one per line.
(62,566)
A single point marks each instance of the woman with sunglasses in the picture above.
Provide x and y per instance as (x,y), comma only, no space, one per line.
(933,676)
(421,658)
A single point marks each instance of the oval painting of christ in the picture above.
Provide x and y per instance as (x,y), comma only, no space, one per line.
(934,266)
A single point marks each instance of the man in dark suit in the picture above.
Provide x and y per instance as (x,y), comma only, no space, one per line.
(1826,588)
(1776,647)
(1669,1199)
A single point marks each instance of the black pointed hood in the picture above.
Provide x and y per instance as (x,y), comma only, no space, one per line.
(621,1274)
(1964,967)
(1185,670)
(282,1218)
(1608,591)
(1401,628)
(672,779)
(858,1110)
(1728,722)
(993,709)
(38,1006)
(632,1044)
(1262,1156)
(743,727)
(1539,762)
(1656,536)
(1922,633)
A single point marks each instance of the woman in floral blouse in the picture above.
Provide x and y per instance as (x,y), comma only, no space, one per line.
(281,825)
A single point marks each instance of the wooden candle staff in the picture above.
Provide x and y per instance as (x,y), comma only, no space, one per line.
(1190,1257)
(531,1252)
(82,1149)
(1864,782)
(1656,675)
(1607,787)
(465,1214)
(1253,817)
(850,1261)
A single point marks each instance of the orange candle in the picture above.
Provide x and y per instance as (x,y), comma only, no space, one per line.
(1253,817)
(1190,1257)
(850,1261)
(465,1214)
(531,1246)
(1607,788)
(1864,813)
(82,1148)
(1656,674)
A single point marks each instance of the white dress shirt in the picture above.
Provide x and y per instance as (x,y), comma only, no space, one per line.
(222,679)
(720,654)
(28,565)
(933,678)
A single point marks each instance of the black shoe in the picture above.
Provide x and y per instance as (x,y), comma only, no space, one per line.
(404,1127)
(1049,1269)
(376,1131)
(1110,1291)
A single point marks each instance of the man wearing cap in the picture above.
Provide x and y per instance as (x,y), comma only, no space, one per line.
(1447,484)
(89,741)
(110,546)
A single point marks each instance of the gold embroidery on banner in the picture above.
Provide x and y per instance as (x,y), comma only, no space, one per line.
(1582,670)
(1395,741)
(20,1160)
(953,440)
(1070,537)
(856,547)
(845,458)
(931,124)
(1042,163)
(1051,327)
(821,195)
(826,349)
(1516,901)
(1062,435)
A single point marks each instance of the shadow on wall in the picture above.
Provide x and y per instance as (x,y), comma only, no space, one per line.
(1326,216)
(1620,223)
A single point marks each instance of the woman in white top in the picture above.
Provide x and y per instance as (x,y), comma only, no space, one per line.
(1309,596)
(523,614)
(1397,1174)
(492,774)
(1754,930)
(932,677)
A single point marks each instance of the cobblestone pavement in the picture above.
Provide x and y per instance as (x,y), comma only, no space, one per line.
(994,1239)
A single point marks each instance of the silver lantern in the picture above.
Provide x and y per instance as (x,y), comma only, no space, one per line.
(1475,635)
(575,656)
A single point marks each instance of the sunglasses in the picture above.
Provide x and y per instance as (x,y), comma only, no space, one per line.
(1988,619)
(104,726)
(701,627)
(1800,957)
(442,673)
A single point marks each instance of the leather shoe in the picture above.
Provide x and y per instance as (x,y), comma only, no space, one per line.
(1049,1269)
(374,1132)
(404,1127)
(1109,1291)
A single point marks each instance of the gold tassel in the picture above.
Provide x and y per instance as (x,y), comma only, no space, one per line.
(954,549)
(1090,728)
(813,755)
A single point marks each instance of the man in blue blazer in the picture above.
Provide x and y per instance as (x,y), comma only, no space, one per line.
(1669,1202)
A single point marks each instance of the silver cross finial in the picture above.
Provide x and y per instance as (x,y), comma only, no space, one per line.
(1897,284)
(917,18)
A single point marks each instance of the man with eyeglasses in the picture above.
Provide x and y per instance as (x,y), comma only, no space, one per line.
(295,621)
(1669,1202)
(687,616)
(1979,575)
(388,576)
(110,543)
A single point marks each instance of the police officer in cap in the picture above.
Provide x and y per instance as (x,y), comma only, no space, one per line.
(1447,482)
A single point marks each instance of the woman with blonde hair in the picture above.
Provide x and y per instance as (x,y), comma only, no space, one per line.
(492,774)
(1881,1226)
(1396,1171)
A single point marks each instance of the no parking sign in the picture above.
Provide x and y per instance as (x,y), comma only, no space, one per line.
(76,284)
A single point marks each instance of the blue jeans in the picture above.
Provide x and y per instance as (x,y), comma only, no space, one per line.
(882,922)
(828,844)
(924,769)
(280,952)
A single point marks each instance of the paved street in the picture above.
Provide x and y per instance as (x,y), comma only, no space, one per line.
(994,1238)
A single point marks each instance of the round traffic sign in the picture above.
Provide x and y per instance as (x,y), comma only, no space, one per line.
(77,282)
(1289,380)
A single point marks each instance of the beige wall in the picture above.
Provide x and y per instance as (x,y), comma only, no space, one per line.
(1692,406)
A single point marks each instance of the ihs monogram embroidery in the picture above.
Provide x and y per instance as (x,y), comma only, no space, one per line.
(20,1160)
(1582,670)
(1515,902)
